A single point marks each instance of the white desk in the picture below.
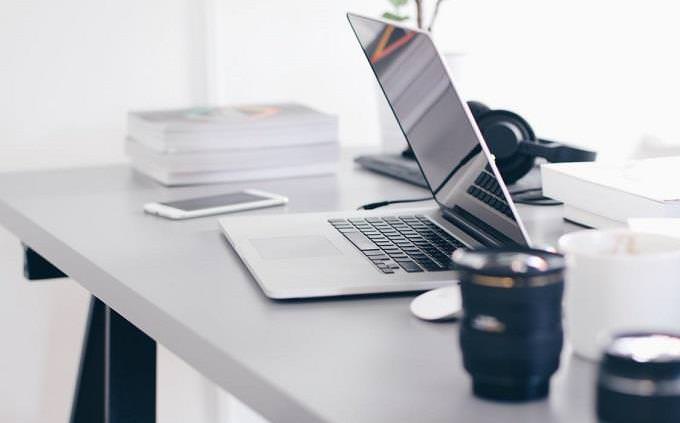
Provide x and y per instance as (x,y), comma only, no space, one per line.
(341,360)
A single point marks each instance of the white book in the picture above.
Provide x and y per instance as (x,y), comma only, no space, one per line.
(590,220)
(231,160)
(617,192)
(227,118)
(194,178)
(249,126)
(215,140)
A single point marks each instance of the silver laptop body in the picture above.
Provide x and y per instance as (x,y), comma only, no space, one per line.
(379,251)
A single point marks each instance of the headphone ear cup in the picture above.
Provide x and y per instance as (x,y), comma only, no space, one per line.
(503,131)
(478,109)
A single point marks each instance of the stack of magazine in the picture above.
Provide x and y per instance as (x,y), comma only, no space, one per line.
(224,144)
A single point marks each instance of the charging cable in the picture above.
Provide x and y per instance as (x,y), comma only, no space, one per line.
(536,200)
(371,206)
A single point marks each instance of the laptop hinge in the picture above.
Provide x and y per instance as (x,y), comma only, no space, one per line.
(471,225)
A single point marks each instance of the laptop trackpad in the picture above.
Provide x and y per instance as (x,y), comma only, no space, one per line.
(294,247)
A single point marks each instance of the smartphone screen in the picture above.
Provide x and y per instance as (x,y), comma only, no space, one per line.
(215,201)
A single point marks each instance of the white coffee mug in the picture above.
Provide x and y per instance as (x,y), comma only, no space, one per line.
(619,281)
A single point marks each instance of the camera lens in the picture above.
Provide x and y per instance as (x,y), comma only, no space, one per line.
(511,330)
(639,379)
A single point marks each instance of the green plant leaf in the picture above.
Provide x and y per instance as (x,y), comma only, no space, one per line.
(394,17)
(398,3)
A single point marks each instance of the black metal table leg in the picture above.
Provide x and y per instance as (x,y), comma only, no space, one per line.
(117,373)
(88,401)
(36,267)
(130,388)
(117,376)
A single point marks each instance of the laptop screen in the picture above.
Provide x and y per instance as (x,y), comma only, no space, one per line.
(440,130)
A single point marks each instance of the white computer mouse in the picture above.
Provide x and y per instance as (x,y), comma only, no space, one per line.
(438,304)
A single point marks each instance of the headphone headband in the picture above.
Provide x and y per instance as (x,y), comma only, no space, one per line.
(514,144)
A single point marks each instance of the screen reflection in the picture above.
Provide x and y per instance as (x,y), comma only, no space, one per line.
(439,129)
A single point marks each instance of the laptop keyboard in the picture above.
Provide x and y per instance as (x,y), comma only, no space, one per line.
(404,243)
(487,190)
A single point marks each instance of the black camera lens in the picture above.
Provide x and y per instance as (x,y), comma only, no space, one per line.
(511,330)
(639,379)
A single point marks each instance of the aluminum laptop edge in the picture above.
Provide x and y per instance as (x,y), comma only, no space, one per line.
(310,255)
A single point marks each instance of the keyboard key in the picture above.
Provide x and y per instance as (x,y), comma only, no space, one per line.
(424,260)
(386,246)
(342,225)
(400,258)
(443,260)
(374,237)
(440,256)
(409,266)
(418,257)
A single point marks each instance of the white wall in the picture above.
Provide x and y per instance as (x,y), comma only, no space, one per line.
(70,70)
(600,74)
(273,50)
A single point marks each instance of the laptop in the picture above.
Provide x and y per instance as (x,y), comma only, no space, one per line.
(382,251)
(394,165)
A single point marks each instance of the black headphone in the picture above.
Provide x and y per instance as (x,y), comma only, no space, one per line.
(514,144)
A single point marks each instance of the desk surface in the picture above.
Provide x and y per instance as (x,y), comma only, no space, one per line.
(343,360)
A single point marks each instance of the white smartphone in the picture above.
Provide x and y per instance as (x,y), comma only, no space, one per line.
(224,203)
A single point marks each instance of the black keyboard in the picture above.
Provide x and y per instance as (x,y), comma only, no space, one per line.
(394,165)
(404,243)
(487,190)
